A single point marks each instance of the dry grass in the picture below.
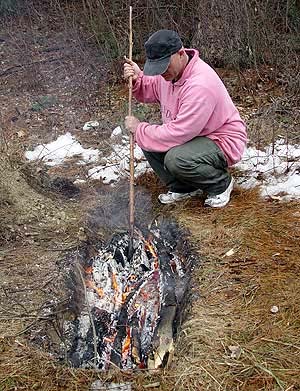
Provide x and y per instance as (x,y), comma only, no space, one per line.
(232,296)
(237,293)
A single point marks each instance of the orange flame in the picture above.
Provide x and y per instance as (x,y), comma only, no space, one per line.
(91,284)
(126,345)
(100,292)
(114,282)
(150,248)
(89,270)
(108,340)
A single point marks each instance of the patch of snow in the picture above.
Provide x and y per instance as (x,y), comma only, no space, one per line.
(79,181)
(289,188)
(108,174)
(90,125)
(117,163)
(64,147)
(276,170)
(116,132)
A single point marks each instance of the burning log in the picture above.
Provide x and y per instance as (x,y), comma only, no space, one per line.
(133,304)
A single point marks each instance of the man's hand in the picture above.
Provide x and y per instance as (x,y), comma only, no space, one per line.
(131,123)
(131,69)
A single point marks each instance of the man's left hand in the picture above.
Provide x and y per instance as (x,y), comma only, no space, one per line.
(131,123)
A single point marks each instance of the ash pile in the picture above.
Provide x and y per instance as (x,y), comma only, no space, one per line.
(133,303)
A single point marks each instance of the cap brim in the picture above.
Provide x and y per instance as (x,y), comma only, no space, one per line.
(156,67)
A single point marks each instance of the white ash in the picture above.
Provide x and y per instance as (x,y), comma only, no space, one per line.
(132,302)
(84,325)
(98,385)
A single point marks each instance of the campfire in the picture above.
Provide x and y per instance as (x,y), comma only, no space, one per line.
(133,302)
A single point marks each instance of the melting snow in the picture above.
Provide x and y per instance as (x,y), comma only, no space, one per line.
(116,164)
(90,125)
(116,132)
(276,169)
(64,147)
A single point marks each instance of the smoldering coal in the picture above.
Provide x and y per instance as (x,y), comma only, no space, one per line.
(132,305)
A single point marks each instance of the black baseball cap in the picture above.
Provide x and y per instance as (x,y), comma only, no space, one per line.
(159,48)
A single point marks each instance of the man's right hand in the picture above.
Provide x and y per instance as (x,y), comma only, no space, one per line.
(131,69)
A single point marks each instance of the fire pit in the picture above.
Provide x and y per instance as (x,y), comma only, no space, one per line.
(132,304)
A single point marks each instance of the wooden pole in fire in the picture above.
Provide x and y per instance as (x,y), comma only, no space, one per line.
(131,137)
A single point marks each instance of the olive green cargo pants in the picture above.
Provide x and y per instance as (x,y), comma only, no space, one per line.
(197,164)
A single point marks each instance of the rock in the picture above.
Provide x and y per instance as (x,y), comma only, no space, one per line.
(21,133)
(236,351)
(274,309)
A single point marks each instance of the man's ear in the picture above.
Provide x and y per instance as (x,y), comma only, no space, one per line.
(181,52)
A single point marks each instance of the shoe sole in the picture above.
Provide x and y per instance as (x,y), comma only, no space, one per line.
(193,194)
(230,187)
(173,201)
(216,206)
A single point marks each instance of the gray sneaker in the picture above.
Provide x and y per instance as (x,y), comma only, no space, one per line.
(220,200)
(170,196)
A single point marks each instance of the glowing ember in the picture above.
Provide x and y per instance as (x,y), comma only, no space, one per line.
(89,270)
(91,284)
(126,346)
(131,304)
(114,282)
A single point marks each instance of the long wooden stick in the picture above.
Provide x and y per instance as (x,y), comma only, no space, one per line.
(131,137)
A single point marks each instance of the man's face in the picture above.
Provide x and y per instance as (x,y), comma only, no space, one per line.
(176,66)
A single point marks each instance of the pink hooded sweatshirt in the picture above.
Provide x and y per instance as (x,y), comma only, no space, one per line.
(198,104)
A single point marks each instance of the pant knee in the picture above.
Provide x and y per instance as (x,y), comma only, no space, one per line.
(179,165)
(171,162)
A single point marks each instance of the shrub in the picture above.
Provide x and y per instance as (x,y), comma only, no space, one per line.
(9,6)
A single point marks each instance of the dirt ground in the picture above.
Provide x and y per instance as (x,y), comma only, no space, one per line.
(53,80)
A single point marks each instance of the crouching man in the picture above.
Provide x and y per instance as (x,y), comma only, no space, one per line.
(202,133)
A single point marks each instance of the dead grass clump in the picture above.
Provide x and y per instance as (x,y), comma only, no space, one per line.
(24,368)
(243,332)
(150,181)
